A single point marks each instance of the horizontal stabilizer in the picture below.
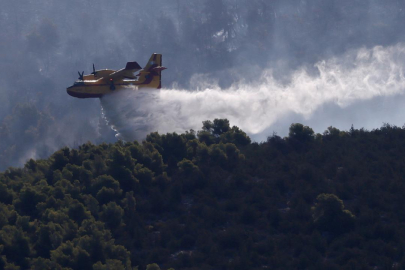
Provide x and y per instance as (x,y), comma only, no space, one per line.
(133,65)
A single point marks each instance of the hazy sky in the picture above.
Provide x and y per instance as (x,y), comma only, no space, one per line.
(262,64)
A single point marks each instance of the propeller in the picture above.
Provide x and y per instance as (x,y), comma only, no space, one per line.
(80,75)
(94,71)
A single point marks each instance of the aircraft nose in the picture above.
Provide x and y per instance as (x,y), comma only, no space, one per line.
(69,91)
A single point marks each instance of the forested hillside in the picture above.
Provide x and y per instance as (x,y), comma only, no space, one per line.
(211,199)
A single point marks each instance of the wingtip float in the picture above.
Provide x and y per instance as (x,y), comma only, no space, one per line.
(106,81)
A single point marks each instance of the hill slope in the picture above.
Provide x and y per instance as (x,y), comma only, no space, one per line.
(211,200)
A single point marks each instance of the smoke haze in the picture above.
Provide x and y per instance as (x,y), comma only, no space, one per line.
(261,64)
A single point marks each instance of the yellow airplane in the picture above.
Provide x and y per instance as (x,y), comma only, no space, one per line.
(106,81)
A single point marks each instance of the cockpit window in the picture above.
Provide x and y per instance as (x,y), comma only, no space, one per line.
(78,83)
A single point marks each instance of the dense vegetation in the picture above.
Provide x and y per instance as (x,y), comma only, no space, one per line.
(211,199)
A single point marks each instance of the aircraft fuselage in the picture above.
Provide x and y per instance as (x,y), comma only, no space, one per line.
(107,81)
(96,89)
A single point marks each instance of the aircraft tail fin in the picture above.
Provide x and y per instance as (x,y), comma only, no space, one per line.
(154,61)
(151,73)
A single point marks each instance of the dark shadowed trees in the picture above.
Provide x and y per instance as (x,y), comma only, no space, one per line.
(210,199)
(329,214)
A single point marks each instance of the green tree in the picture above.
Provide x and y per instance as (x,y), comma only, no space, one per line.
(152,266)
(300,133)
(112,215)
(109,265)
(78,212)
(329,214)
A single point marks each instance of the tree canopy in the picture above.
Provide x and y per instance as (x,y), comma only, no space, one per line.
(211,199)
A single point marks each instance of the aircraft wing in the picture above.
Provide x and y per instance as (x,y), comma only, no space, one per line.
(125,73)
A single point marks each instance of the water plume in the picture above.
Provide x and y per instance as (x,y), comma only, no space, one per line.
(342,81)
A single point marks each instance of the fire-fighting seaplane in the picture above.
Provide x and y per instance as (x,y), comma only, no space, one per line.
(106,81)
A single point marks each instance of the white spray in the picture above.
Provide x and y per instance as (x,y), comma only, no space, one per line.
(357,75)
